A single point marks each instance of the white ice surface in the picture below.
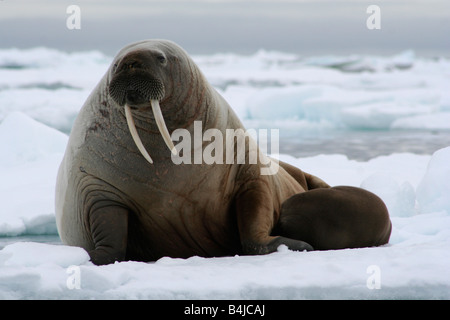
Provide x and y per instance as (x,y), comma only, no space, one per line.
(352,92)
(413,265)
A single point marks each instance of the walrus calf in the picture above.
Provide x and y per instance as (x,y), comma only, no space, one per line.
(335,218)
(121,195)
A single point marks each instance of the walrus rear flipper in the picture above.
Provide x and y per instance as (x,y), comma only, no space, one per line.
(335,218)
(109,231)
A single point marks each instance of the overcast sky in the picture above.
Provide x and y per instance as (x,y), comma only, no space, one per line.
(305,27)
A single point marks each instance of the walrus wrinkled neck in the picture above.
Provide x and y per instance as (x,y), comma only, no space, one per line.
(159,119)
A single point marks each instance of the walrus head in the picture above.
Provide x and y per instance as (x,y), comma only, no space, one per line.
(138,81)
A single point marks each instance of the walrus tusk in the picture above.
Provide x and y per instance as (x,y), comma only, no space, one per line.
(135,134)
(162,125)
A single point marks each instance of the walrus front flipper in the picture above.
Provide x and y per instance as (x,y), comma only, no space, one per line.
(109,230)
(255,219)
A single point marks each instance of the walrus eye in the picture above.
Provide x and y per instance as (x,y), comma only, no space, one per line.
(161,59)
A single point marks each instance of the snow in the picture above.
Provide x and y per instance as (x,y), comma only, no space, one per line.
(30,152)
(39,98)
(413,265)
(402,91)
(433,189)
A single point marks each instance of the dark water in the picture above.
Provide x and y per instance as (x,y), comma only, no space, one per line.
(362,145)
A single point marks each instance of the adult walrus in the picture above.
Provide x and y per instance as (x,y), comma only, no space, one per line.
(121,202)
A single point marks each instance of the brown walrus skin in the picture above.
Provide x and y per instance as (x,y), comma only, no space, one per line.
(335,218)
(116,205)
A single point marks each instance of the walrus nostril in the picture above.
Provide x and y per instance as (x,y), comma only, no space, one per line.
(132,65)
